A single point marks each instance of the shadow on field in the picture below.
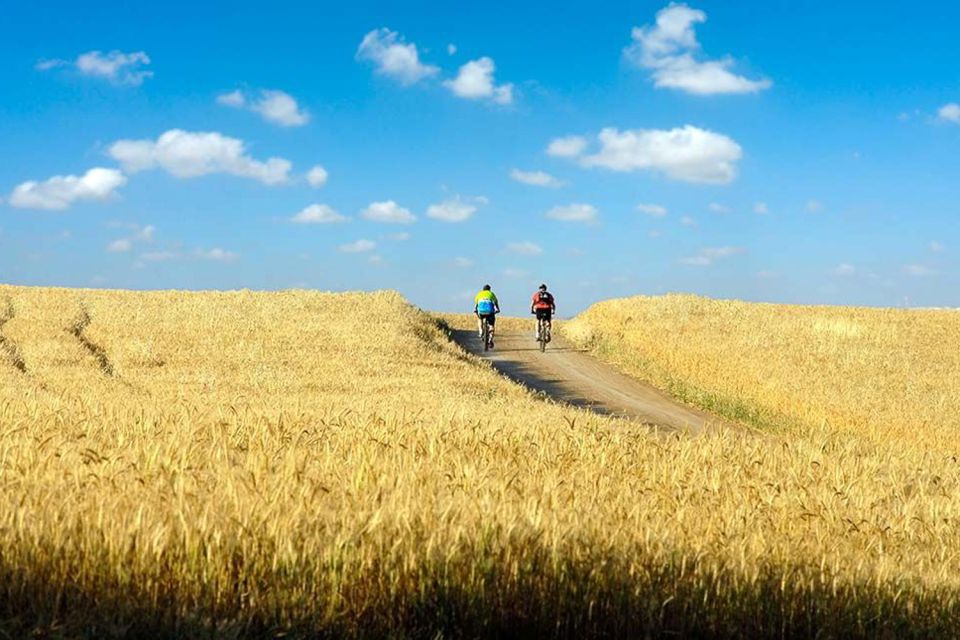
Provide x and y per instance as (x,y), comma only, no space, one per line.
(520,591)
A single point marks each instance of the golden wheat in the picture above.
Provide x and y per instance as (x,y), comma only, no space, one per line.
(253,463)
(889,374)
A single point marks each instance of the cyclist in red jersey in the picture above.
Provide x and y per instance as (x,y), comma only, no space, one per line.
(543,306)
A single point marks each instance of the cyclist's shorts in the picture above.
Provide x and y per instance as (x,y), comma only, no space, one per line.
(544,314)
(490,317)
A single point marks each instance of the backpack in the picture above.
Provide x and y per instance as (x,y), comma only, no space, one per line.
(545,298)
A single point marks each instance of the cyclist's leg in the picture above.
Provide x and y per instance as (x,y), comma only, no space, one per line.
(542,324)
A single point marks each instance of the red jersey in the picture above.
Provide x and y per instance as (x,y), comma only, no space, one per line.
(543,300)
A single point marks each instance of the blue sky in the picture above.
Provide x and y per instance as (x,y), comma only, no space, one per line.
(794,152)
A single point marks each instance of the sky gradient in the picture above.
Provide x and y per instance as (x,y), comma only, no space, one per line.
(785,152)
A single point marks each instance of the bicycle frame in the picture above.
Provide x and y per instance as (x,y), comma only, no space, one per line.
(485,324)
(543,331)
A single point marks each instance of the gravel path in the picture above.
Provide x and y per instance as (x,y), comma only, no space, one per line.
(571,375)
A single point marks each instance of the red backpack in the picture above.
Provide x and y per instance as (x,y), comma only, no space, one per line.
(543,299)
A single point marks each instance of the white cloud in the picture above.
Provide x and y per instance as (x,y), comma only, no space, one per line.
(318,214)
(687,221)
(936,247)
(844,269)
(463,263)
(567,147)
(234,99)
(317,176)
(535,178)
(655,210)
(392,57)
(668,50)
(814,206)
(949,113)
(919,270)
(360,246)
(387,211)
(403,236)
(766,274)
(688,153)
(453,209)
(475,81)
(709,255)
(188,154)
(574,213)
(120,246)
(216,254)
(525,248)
(451,49)
(761,208)
(115,66)
(511,272)
(503,94)
(716,207)
(59,192)
(280,108)
(273,106)
(146,233)
(140,234)
(45,64)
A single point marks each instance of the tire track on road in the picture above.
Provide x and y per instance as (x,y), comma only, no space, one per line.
(77,328)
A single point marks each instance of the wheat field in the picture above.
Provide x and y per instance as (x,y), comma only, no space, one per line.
(892,375)
(310,464)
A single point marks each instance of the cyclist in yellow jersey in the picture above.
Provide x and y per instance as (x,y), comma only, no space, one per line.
(485,305)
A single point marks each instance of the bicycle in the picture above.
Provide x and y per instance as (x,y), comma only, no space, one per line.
(543,333)
(486,336)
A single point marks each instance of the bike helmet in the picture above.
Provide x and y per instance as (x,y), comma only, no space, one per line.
(486,287)
(543,287)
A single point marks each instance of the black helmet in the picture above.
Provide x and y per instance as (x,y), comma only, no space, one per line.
(543,287)
(486,287)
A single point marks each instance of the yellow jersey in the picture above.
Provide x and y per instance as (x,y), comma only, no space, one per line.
(486,302)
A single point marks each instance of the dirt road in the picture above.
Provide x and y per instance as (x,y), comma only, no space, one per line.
(571,375)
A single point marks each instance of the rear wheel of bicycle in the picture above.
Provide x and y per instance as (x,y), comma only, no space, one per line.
(486,335)
(543,336)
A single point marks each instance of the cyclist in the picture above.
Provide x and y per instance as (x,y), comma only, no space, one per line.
(544,306)
(486,305)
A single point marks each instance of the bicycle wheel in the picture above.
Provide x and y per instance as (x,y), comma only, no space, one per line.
(486,335)
(543,335)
